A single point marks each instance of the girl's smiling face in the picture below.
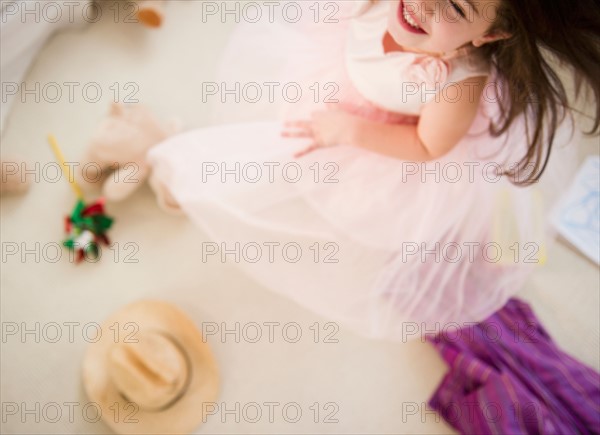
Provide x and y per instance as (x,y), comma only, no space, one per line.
(442,26)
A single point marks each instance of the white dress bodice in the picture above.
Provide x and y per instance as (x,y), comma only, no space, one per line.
(401,82)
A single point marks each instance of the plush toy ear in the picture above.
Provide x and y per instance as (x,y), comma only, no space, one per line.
(150,12)
(116,109)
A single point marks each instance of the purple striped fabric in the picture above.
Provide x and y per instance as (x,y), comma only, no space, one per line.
(507,376)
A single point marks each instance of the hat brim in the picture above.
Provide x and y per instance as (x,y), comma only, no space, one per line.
(188,412)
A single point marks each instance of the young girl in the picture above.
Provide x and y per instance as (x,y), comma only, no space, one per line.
(390,180)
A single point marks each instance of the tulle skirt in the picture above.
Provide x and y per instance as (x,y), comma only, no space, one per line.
(390,248)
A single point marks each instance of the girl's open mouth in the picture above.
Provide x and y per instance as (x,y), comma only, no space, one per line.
(408,20)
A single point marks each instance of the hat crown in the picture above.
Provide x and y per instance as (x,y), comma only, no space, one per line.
(151,370)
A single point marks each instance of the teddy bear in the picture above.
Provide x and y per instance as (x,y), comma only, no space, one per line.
(116,155)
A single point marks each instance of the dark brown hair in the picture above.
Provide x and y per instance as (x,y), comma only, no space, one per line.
(568,30)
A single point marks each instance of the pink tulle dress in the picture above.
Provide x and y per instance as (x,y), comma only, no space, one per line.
(390,248)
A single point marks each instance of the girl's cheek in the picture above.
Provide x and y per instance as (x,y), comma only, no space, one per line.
(443,29)
(451,35)
(444,34)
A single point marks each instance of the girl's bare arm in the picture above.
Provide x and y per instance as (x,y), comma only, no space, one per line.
(441,125)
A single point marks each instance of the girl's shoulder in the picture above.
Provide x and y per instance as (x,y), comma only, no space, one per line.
(465,63)
(400,81)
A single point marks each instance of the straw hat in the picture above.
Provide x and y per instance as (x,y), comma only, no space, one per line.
(159,361)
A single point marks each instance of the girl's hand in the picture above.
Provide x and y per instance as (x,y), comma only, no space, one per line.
(326,127)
